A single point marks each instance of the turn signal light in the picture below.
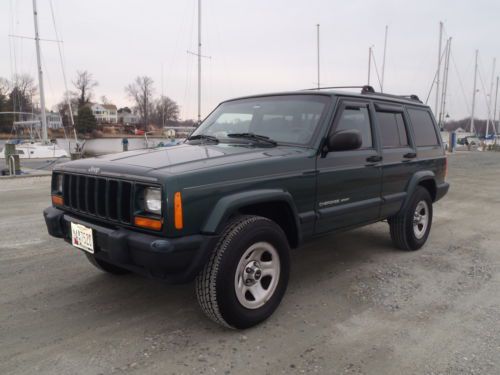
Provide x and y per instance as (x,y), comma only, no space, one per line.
(145,222)
(178,220)
(57,200)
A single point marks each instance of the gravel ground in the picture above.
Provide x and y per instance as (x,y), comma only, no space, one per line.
(355,305)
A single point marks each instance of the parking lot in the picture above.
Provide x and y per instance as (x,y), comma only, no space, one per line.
(355,304)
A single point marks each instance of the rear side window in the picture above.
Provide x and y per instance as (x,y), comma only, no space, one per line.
(357,118)
(423,127)
(392,129)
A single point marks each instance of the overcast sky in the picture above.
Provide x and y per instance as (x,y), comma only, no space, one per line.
(255,46)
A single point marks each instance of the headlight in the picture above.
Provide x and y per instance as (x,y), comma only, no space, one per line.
(152,200)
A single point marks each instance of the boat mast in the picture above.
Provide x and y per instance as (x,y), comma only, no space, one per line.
(474,96)
(496,129)
(369,63)
(439,66)
(199,61)
(490,99)
(317,45)
(383,61)
(445,82)
(40,76)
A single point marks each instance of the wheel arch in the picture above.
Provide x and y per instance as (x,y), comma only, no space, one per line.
(276,205)
(426,179)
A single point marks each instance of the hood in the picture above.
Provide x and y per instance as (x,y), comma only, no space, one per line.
(177,159)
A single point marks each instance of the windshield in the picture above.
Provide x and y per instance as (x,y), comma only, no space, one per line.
(286,119)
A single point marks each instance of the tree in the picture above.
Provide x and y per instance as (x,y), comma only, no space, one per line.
(86,121)
(125,109)
(166,110)
(105,100)
(63,108)
(141,92)
(5,121)
(16,95)
(84,85)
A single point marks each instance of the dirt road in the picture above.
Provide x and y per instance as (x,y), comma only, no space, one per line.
(355,305)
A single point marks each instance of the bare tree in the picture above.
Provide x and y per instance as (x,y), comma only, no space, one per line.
(141,91)
(4,87)
(166,110)
(105,100)
(84,85)
(25,84)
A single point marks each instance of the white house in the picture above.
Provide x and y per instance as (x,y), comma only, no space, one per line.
(105,113)
(126,118)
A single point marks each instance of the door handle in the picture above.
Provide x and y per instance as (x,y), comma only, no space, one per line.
(374,159)
(410,155)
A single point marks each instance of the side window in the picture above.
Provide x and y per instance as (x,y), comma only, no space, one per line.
(423,127)
(358,118)
(392,129)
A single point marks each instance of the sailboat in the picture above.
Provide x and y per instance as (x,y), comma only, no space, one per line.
(33,147)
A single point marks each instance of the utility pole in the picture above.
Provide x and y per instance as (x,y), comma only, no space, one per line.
(490,99)
(369,63)
(317,45)
(439,66)
(474,95)
(383,61)
(40,76)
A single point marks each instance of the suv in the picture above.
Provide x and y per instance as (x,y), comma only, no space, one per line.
(261,175)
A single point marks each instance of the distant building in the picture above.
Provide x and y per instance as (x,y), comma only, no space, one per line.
(128,118)
(54,121)
(105,113)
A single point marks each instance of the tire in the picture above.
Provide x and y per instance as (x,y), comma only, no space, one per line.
(247,274)
(407,234)
(105,266)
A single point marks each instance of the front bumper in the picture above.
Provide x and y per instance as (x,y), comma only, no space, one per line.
(175,260)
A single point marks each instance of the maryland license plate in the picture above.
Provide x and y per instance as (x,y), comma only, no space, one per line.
(81,237)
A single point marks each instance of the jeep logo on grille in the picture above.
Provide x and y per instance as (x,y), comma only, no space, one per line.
(94,170)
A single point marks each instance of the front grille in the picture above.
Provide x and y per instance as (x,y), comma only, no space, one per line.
(105,198)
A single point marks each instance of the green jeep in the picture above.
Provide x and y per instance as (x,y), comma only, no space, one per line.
(261,175)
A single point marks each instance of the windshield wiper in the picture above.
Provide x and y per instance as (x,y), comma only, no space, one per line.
(204,137)
(253,137)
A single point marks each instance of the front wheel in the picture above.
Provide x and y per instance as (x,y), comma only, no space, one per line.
(411,227)
(247,275)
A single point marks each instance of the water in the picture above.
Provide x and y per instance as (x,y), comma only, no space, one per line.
(91,147)
(102,146)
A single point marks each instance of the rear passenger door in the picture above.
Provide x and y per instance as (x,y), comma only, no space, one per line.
(348,190)
(398,155)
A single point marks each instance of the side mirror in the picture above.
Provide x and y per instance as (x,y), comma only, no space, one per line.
(344,140)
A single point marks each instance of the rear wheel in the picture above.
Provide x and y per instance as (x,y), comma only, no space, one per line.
(247,275)
(410,228)
(105,266)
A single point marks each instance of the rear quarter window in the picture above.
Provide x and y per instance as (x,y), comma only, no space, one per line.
(423,127)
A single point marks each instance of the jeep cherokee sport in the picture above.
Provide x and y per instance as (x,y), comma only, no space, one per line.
(261,174)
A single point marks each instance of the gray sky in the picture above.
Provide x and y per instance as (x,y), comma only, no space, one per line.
(255,46)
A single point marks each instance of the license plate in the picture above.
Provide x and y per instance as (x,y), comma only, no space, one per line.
(81,237)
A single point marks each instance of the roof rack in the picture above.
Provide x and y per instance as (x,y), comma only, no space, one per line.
(363,88)
(369,90)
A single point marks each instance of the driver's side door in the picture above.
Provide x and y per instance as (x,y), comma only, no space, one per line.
(349,182)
